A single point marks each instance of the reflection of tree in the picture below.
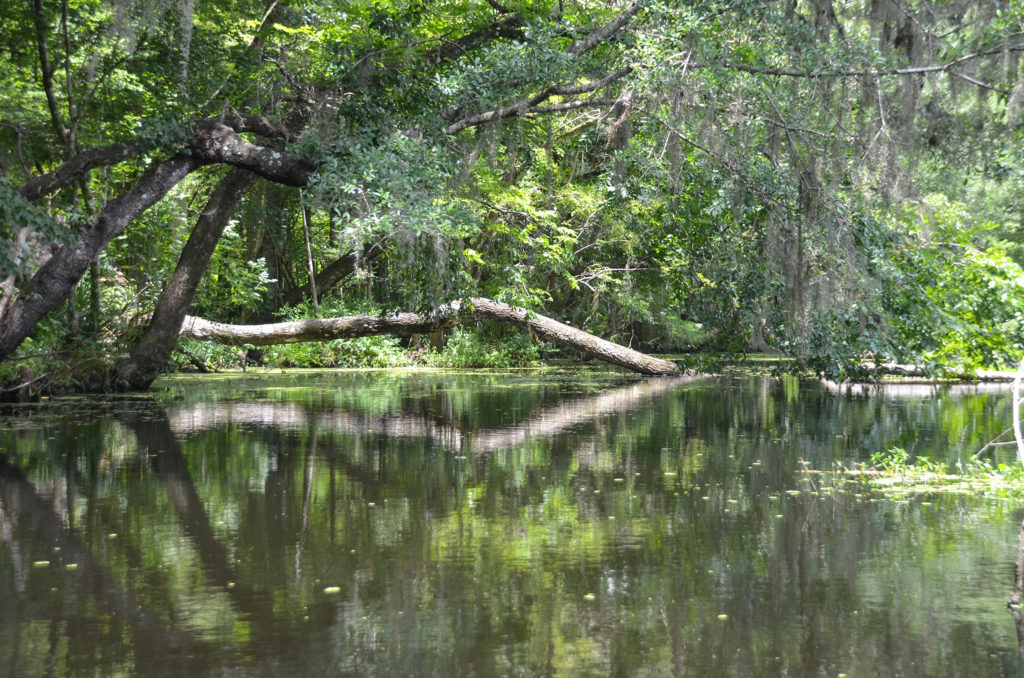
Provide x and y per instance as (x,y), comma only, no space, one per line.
(171,468)
(37,527)
(549,421)
(30,521)
(491,559)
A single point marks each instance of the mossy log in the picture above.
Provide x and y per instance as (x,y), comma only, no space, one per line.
(404,324)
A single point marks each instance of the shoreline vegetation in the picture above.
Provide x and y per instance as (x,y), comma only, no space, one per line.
(54,373)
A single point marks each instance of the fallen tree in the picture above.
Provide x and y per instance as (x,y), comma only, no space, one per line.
(405,324)
(878,370)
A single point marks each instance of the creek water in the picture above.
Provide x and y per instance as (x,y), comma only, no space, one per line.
(497,524)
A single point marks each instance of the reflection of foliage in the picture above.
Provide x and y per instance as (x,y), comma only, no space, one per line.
(645,541)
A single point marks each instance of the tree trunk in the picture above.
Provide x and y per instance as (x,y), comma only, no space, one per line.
(879,370)
(151,353)
(58,276)
(404,324)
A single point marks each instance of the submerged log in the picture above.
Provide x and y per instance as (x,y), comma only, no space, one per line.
(404,324)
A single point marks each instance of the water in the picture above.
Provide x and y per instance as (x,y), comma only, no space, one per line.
(534,524)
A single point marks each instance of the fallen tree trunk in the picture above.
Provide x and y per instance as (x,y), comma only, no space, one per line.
(404,324)
(899,370)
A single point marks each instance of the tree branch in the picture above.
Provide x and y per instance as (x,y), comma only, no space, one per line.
(509,27)
(102,156)
(577,48)
(217,143)
(569,106)
(39,18)
(605,32)
(593,86)
(333,273)
(530,106)
(56,278)
(50,183)
(948,67)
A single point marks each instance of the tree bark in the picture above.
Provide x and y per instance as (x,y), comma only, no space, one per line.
(216,142)
(404,324)
(151,353)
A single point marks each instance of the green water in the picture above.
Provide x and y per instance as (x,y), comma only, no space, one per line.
(495,524)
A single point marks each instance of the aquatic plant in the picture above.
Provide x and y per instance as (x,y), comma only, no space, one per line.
(896,474)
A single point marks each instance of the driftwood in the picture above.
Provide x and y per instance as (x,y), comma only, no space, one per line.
(404,324)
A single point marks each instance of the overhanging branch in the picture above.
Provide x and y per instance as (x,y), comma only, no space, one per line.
(530,104)
(104,156)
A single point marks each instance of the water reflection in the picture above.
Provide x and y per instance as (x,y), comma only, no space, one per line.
(417,524)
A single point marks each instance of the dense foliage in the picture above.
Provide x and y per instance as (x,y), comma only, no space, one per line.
(834,180)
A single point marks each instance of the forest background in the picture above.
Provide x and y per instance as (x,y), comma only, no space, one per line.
(833,180)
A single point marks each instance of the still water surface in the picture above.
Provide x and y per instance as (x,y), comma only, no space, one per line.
(496,524)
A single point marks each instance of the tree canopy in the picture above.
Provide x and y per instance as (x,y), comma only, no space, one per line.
(833,180)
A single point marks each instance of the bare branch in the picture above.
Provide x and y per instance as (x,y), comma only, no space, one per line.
(487,116)
(979,83)
(577,48)
(948,67)
(530,106)
(570,105)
